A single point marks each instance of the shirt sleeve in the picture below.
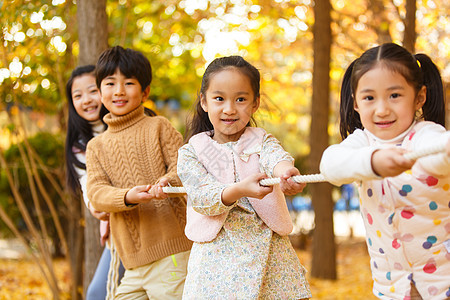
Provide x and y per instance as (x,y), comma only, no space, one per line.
(204,191)
(271,154)
(349,161)
(103,196)
(82,177)
(431,135)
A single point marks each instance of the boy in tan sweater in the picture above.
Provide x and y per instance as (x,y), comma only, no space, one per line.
(127,167)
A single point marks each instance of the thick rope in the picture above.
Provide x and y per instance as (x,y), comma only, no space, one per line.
(428,150)
(298,178)
(311,178)
(113,273)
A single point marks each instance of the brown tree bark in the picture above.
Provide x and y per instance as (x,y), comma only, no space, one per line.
(380,21)
(409,35)
(323,246)
(92,30)
(93,40)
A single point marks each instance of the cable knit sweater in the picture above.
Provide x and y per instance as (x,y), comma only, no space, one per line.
(137,150)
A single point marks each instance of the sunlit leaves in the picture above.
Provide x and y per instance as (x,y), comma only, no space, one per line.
(181,37)
(34,39)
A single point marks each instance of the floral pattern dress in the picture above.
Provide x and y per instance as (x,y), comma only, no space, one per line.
(247,260)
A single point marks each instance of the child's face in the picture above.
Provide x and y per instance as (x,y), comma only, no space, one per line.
(386,102)
(121,95)
(230,103)
(86,97)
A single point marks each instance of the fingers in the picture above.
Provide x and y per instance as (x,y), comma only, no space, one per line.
(158,192)
(261,190)
(100,215)
(138,194)
(103,216)
(390,162)
(290,187)
(164,181)
(291,172)
(402,162)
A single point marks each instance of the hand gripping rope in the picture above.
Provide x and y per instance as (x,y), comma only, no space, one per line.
(429,150)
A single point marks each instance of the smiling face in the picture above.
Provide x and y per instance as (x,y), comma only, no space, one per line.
(386,102)
(86,97)
(121,95)
(230,102)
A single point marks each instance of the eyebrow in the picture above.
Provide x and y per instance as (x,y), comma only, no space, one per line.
(238,93)
(89,86)
(395,87)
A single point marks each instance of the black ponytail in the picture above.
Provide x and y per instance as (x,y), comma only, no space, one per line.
(350,119)
(434,107)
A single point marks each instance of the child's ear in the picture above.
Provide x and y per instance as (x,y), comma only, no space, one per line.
(145,93)
(355,104)
(203,102)
(256,104)
(421,97)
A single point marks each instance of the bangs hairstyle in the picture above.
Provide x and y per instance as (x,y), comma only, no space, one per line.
(131,63)
(418,71)
(200,121)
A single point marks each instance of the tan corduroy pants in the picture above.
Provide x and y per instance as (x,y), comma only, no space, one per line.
(162,279)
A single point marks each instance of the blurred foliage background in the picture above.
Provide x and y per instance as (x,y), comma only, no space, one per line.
(39,48)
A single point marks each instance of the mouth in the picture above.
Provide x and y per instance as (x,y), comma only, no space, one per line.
(229,121)
(120,102)
(90,109)
(384,124)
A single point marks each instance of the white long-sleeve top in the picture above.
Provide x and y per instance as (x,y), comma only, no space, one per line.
(97,128)
(350,161)
(406,217)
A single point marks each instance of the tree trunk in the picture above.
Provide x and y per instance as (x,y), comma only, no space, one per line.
(409,35)
(324,253)
(92,30)
(93,40)
(380,21)
(75,239)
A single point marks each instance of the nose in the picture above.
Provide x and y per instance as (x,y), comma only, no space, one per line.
(382,108)
(87,99)
(119,90)
(229,108)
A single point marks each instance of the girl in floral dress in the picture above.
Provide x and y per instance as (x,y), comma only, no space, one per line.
(240,228)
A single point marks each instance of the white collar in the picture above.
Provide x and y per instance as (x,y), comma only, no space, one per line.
(398,139)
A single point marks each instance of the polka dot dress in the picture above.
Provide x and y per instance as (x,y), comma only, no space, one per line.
(407,221)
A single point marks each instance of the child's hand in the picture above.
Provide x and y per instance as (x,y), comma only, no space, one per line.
(100,215)
(138,194)
(251,188)
(288,185)
(156,190)
(390,162)
(104,232)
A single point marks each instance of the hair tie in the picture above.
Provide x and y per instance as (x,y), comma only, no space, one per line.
(418,63)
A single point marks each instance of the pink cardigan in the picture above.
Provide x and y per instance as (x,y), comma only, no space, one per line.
(272,209)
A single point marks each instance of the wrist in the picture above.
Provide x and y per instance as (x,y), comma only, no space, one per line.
(373,164)
(232,193)
(127,202)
